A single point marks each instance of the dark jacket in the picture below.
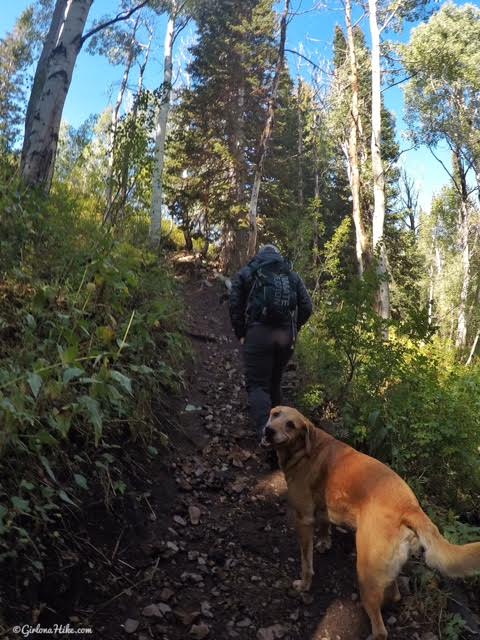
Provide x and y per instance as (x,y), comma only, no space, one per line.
(242,284)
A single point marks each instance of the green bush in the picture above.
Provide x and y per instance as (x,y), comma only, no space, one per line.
(90,336)
(408,402)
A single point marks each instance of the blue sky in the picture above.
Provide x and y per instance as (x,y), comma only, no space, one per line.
(95,81)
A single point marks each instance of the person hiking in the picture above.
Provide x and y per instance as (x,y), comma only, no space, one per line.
(268,306)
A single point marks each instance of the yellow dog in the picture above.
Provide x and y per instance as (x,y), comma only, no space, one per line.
(328,478)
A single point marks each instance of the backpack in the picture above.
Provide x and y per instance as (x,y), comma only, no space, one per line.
(273,297)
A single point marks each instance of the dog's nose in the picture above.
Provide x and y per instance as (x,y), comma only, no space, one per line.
(268,431)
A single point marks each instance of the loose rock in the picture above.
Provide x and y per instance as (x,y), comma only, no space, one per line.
(199,631)
(131,625)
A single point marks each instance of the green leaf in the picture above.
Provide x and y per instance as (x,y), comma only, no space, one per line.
(153,451)
(30,320)
(92,409)
(80,480)
(120,486)
(48,468)
(142,368)
(71,373)
(123,380)
(62,422)
(64,496)
(46,438)
(69,355)
(35,382)
(25,485)
(20,504)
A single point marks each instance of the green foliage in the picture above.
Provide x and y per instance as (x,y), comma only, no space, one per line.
(405,401)
(90,336)
(444,61)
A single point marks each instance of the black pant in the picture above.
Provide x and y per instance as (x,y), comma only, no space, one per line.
(266,352)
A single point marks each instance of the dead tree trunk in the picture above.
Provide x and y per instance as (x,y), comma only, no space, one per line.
(361,237)
(316,192)
(266,135)
(300,143)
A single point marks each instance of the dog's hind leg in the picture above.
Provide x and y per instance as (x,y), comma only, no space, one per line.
(304,524)
(373,576)
(372,593)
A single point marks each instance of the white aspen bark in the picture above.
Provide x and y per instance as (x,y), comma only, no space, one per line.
(378,244)
(266,135)
(461,338)
(463,236)
(473,349)
(48,97)
(431,276)
(361,239)
(161,129)
(41,70)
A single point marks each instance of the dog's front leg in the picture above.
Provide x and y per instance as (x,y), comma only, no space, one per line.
(304,524)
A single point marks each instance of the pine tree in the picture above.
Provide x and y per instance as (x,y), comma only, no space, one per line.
(217,124)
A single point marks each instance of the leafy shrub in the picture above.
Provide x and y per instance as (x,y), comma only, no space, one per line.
(90,336)
(407,402)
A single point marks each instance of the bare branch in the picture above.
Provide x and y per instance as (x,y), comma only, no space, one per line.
(394,84)
(118,18)
(300,55)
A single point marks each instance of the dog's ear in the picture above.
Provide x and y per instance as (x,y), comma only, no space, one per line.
(308,443)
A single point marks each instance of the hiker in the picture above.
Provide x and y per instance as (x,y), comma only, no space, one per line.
(268,305)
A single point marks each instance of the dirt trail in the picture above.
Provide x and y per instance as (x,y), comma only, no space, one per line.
(217,554)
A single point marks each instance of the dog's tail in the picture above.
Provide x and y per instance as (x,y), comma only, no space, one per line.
(456,561)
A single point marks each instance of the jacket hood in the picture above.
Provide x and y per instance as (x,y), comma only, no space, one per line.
(268,254)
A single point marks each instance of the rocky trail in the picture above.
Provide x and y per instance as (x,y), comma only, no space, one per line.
(210,551)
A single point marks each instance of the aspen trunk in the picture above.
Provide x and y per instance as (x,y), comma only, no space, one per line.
(473,349)
(461,339)
(463,234)
(431,277)
(161,129)
(378,244)
(266,135)
(52,81)
(361,238)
